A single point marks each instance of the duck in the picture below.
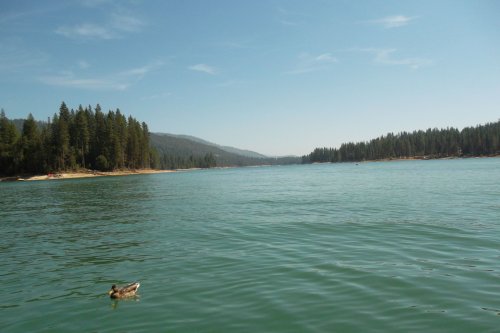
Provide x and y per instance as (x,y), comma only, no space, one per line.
(130,290)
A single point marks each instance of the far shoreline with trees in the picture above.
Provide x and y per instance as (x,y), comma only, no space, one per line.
(88,141)
(478,141)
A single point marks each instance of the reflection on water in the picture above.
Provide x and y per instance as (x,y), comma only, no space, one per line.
(116,302)
(378,247)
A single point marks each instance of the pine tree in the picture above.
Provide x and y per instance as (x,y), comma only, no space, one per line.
(110,140)
(99,143)
(30,147)
(133,144)
(60,132)
(82,137)
(145,163)
(8,139)
(121,135)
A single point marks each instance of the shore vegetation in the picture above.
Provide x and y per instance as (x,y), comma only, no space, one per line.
(482,140)
(81,139)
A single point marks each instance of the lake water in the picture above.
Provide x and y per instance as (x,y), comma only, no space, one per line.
(410,246)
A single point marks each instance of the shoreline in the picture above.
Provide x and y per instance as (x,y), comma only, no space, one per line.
(93,174)
(428,158)
(413,158)
(84,174)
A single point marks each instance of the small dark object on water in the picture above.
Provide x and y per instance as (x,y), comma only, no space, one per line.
(129,290)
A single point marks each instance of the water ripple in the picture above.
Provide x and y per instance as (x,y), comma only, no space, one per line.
(379,247)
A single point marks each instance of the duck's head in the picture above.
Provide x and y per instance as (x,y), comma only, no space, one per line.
(112,290)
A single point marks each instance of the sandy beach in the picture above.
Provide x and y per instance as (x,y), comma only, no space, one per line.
(86,174)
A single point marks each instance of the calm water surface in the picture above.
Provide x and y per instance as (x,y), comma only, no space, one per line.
(376,247)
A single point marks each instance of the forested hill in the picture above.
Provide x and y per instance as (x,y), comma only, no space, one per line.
(482,140)
(237,151)
(178,151)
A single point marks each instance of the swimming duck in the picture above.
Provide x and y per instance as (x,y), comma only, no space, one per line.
(129,290)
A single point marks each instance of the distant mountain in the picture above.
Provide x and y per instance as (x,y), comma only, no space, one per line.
(185,146)
(233,150)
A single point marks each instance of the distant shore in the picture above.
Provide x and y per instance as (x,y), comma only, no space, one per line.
(84,174)
(430,158)
(93,173)
(414,158)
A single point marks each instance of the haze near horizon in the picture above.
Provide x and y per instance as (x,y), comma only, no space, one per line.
(277,77)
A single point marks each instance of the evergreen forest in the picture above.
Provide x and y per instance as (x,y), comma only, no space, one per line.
(482,140)
(74,139)
(89,139)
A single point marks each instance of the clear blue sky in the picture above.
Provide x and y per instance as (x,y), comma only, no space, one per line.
(275,76)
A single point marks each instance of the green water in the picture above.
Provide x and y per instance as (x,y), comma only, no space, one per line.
(376,247)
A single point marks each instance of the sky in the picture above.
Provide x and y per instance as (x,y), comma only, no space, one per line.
(273,76)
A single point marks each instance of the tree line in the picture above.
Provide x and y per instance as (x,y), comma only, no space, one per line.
(84,138)
(482,140)
(171,161)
